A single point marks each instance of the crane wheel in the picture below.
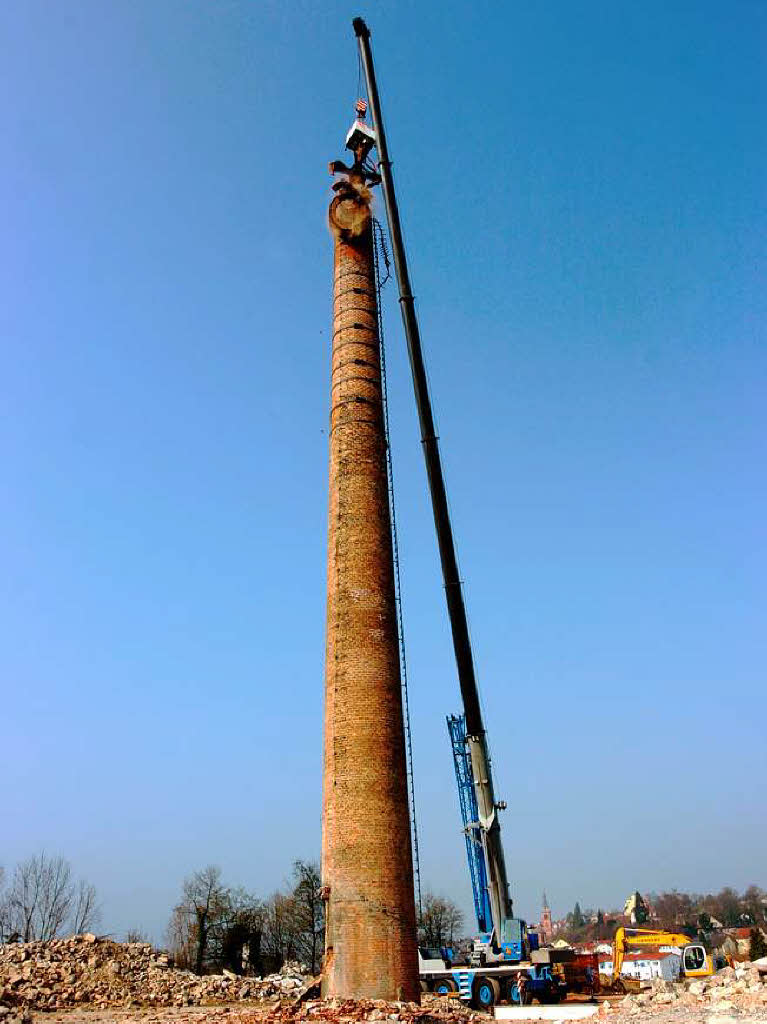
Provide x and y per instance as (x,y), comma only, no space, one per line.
(510,991)
(487,992)
(444,987)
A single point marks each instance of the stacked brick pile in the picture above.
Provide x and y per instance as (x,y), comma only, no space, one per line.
(433,1010)
(84,970)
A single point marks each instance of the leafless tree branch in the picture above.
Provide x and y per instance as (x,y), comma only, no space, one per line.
(86,911)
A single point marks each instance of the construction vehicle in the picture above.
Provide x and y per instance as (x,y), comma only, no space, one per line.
(500,963)
(581,974)
(483,987)
(696,962)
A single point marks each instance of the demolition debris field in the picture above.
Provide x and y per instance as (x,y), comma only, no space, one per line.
(85,979)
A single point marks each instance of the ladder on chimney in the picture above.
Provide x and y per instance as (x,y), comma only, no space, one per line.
(380,253)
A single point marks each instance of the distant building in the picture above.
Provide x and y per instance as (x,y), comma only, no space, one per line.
(738,941)
(546,929)
(595,946)
(635,909)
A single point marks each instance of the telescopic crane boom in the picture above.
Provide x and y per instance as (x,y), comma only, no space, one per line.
(497,895)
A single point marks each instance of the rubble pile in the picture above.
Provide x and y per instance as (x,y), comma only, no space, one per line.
(730,990)
(101,973)
(433,1010)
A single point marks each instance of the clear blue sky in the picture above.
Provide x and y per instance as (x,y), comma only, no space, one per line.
(582,188)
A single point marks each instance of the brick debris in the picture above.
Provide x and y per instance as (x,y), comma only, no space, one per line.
(85,970)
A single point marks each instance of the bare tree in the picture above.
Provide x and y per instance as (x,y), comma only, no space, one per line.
(203,894)
(279,934)
(235,935)
(137,935)
(725,907)
(309,914)
(215,926)
(5,911)
(41,897)
(755,904)
(24,897)
(674,910)
(440,921)
(55,895)
(86,911)
(180,936)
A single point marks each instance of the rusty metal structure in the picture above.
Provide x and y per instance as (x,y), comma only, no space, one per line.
(367,866)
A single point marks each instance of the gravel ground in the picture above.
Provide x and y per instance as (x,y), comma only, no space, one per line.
(686,1015)
(689,1009)
(262,1015)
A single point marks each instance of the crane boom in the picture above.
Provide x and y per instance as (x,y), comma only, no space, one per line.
(497,883)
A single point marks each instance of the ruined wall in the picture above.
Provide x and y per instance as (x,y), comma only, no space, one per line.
(366,859)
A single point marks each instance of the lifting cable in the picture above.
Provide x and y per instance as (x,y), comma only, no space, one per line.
(380,253)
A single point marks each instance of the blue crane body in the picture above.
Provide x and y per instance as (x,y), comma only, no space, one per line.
(510,940)
(467,799)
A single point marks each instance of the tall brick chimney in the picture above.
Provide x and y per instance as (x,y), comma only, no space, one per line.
(367,866)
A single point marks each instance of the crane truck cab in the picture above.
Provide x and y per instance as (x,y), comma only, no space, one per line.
(514,945)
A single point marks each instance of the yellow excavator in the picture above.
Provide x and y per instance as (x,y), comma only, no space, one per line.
(696,962)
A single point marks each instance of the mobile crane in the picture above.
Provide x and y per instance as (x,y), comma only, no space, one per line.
(499,959)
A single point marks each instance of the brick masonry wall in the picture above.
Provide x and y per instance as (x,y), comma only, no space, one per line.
(367,860)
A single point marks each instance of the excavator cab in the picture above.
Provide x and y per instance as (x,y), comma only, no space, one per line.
(695,962)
